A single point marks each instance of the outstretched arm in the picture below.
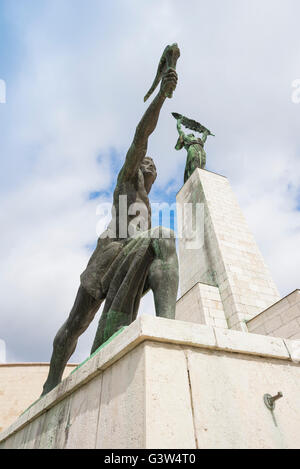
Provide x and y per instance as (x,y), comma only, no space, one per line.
(138,148)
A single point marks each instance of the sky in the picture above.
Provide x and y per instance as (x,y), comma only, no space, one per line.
(76,73)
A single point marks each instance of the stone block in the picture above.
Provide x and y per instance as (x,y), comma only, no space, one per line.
(292,313)
(83,416)
(21,384)
(122,415)
(169,413)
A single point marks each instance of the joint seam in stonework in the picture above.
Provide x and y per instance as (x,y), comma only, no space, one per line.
(285,344)
(191,397)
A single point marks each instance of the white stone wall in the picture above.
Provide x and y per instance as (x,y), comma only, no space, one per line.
(229,257)
(171,384)
(280,320)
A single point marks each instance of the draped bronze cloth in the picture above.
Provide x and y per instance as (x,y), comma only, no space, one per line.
(118,271)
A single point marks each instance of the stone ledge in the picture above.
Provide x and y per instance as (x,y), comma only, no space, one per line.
(253,344)
(158,330)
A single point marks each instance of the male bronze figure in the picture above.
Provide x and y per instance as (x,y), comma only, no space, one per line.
(123,267)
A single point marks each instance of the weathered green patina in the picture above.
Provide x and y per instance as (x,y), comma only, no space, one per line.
(196,156)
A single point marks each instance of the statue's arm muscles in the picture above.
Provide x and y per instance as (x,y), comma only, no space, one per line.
(138,148)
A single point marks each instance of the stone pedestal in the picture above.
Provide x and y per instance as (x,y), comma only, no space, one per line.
(229,258)
(171,384)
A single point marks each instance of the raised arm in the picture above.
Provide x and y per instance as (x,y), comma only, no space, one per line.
(179,128)
(138,148)
(180,141)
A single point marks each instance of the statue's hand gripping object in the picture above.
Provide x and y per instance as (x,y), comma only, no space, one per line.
(168,60)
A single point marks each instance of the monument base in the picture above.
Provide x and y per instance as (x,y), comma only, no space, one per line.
(171,384)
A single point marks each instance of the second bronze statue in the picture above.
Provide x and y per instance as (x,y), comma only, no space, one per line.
(124,266)
(196,156)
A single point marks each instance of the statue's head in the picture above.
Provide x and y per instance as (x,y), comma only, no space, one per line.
(148,169)
(191,135)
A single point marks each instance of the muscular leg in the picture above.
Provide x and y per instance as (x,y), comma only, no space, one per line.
(163,275)
(82,313)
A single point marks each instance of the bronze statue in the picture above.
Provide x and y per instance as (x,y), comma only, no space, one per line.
(196,156)
(123,267)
